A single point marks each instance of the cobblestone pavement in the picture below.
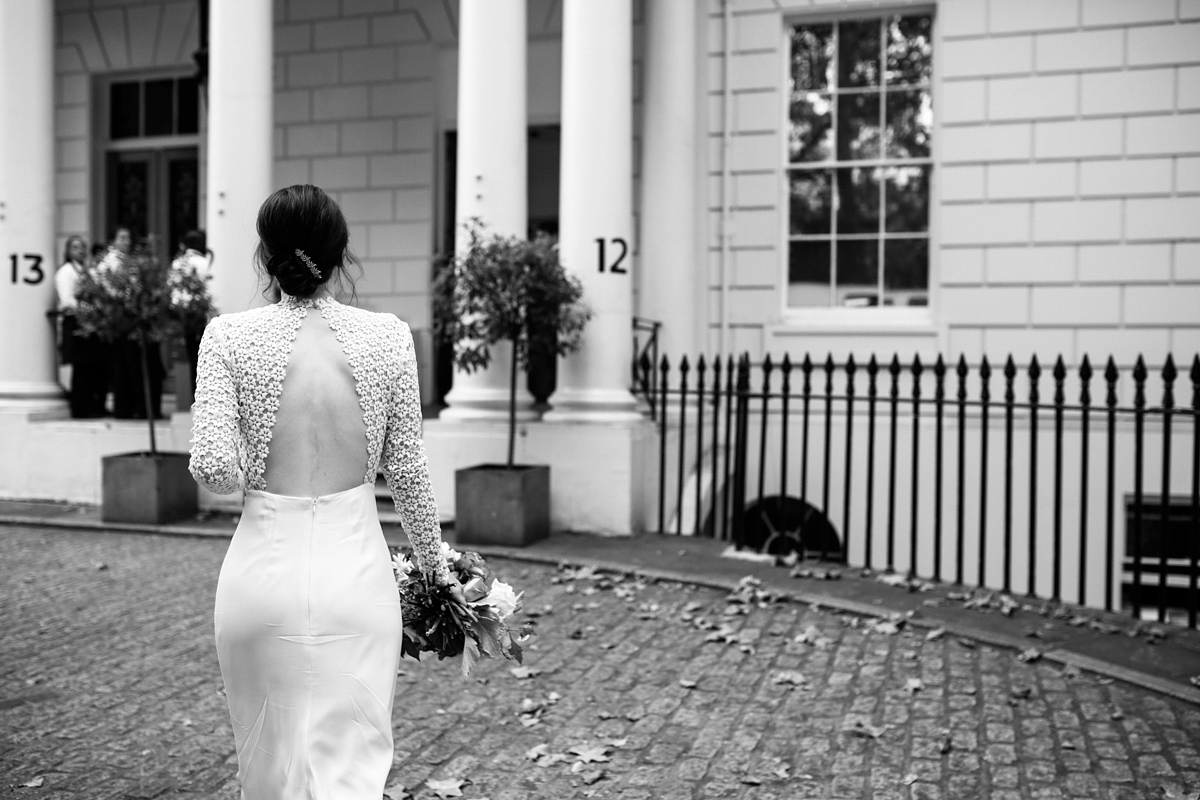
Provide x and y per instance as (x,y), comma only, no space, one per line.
(109,688)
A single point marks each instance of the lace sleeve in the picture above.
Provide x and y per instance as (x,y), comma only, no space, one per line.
(406,468)
(216,460)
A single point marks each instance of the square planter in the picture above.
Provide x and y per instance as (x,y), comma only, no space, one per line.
(147,488)
(502,506)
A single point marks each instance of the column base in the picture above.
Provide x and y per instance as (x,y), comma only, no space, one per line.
(484,404)
(31,395)
(593,405)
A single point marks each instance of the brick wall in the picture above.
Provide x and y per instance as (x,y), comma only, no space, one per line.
(1067,176)
(1069,154)
(355,111)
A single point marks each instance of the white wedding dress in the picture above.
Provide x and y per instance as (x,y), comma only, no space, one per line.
(307,616)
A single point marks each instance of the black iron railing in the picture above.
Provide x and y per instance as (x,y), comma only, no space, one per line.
(645,355)
(772,456)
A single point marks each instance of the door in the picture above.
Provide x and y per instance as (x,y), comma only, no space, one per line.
(155,194)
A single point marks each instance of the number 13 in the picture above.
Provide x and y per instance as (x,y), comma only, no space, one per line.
(36,274)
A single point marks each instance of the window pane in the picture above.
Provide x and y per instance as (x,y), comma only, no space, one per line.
(189,107)
(811,201)
(858,200)
(906,195)
(858,126)
(909,124)
(124,110)
(858,53)
(858,272)
(808,274)
(812,57)
(160,107)
(909,50)
(906,271)
(810,137)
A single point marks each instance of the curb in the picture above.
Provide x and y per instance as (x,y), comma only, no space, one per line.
(1057,655)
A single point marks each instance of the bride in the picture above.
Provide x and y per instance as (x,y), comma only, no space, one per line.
(299,403)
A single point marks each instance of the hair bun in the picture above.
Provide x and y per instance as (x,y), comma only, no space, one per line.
(304,239)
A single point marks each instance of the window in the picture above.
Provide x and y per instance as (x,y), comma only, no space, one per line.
(157,107)
(859,136)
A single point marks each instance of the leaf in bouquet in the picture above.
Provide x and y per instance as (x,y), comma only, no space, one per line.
(490,631)
(470,657)
(451,787)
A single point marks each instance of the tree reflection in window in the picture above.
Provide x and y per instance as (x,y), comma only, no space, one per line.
(859,161)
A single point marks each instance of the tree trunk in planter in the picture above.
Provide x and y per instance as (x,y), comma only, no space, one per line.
(502,505)
(147,488)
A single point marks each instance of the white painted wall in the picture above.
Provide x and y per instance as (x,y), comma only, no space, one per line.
(1067,180)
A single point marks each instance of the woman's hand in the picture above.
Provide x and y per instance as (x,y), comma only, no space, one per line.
(455,590)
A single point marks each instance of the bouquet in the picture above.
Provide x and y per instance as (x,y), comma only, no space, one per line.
(434,623)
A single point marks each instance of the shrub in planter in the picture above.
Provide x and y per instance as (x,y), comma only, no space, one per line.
(505,289)
(137,299)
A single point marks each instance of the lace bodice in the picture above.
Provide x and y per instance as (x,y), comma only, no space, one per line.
(243,360)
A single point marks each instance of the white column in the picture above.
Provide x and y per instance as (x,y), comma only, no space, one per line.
(670,268)
(240,151)
(596,206)
(491,164)
(27,203)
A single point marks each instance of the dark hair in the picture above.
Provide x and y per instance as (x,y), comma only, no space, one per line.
(67,247)
(195,240)
(305,219)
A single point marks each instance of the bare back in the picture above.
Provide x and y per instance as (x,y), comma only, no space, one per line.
(319,442)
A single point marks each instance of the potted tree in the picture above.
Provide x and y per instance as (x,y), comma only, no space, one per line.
(506,289)
(136,298)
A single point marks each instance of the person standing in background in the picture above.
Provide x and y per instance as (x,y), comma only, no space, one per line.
(194,256)
(129,399)
(87,355)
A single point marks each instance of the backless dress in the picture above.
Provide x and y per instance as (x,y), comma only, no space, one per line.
(307,617)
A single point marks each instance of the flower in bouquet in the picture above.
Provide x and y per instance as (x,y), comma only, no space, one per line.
(433,622)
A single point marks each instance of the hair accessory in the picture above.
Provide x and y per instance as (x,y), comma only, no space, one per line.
(308,262)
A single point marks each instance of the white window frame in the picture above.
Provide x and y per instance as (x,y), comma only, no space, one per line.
(878,320)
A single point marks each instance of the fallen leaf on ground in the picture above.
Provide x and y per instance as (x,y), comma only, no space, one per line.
(33,783)
(687,684)
(536,752)
(789,676)
(935,634)
(550,759)
(1029,656)
(524,673)
(863,729)
(783,771)
(914,685)
(451,787)
(616,742)
(397,792)
(909,779)
(588,754)
(589,778)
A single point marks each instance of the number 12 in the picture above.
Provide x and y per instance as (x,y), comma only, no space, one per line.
(616,265)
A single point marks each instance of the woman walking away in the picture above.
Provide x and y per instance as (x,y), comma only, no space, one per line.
(298,403)
(87,355)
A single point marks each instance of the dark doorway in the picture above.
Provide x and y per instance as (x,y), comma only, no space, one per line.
(542,198)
